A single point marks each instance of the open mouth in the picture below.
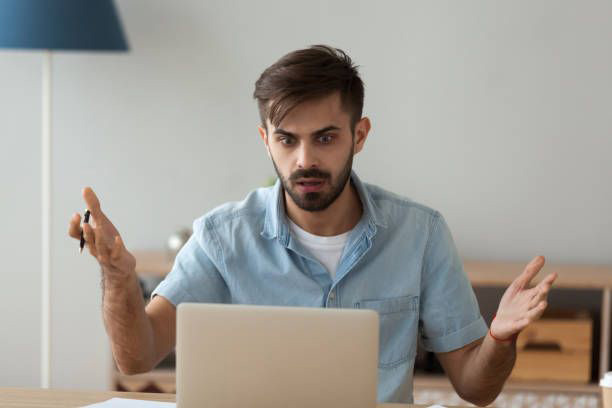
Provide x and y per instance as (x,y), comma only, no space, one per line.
(309,185)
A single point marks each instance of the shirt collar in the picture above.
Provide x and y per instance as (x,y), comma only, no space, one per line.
(275,225)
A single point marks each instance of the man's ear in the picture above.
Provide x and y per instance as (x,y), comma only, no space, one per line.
(362,128)
(264,137)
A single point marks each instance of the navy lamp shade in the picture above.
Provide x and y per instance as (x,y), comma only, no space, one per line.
(61,25)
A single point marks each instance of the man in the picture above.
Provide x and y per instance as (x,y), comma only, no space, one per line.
(322,238)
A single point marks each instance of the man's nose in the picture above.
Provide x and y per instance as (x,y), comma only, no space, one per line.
(306,157)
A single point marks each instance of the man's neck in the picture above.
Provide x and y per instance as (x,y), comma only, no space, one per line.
(341,216)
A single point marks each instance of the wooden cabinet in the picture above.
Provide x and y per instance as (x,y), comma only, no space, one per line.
(555,349)
(501,274)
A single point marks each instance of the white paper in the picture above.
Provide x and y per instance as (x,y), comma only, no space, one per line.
(131,403)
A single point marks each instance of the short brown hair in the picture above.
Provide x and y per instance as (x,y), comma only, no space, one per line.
(308,74)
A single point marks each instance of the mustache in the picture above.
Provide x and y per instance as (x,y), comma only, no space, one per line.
(309,173)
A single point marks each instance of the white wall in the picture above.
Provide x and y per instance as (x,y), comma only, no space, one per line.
(495,113)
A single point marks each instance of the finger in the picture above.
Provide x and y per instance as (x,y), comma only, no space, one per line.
(90,239)
(540,296)
(93,204)
(531,270)
(545,285)
(535,313)
(74,226)
(548,281)
(531,316)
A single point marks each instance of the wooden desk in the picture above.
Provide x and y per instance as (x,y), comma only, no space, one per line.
(41,398)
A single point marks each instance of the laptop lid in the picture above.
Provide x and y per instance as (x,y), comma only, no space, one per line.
(269,356)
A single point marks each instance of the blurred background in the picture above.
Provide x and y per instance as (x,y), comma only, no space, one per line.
(497,114)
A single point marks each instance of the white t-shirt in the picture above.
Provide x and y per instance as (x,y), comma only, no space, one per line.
(326,250)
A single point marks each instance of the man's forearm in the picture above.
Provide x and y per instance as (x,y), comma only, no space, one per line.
(127,324)
(487,369)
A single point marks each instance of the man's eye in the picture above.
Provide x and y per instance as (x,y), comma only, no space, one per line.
(325,139)
(286,140)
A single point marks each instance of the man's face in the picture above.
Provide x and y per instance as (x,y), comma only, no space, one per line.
(312,151)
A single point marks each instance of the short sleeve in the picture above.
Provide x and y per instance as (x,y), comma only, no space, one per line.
(449,314)
(195,276)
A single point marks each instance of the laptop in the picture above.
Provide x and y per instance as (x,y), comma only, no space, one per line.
(230,356)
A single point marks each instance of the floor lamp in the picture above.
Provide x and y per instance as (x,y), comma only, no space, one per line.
(48,25)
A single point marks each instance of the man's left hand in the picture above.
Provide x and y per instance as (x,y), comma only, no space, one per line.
(521,305)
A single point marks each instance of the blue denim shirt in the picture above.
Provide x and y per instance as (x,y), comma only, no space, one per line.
(399,260)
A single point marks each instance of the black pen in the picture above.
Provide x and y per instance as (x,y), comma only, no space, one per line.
(85,221)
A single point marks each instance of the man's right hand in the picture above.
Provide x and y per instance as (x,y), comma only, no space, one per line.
(103,240)
(141,336)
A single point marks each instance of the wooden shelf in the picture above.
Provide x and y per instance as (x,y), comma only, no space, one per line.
(157,263)
(489,273)
(501,274)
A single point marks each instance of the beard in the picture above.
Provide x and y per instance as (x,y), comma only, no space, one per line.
(317,201)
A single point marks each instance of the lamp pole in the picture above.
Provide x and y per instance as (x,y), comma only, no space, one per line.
(45,360)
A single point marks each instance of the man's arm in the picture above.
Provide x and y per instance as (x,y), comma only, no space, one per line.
(479,370)
(162,315)
(139,337)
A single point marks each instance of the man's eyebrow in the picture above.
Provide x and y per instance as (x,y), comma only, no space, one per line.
(315,133)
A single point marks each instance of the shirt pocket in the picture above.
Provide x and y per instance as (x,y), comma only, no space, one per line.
(398,319)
